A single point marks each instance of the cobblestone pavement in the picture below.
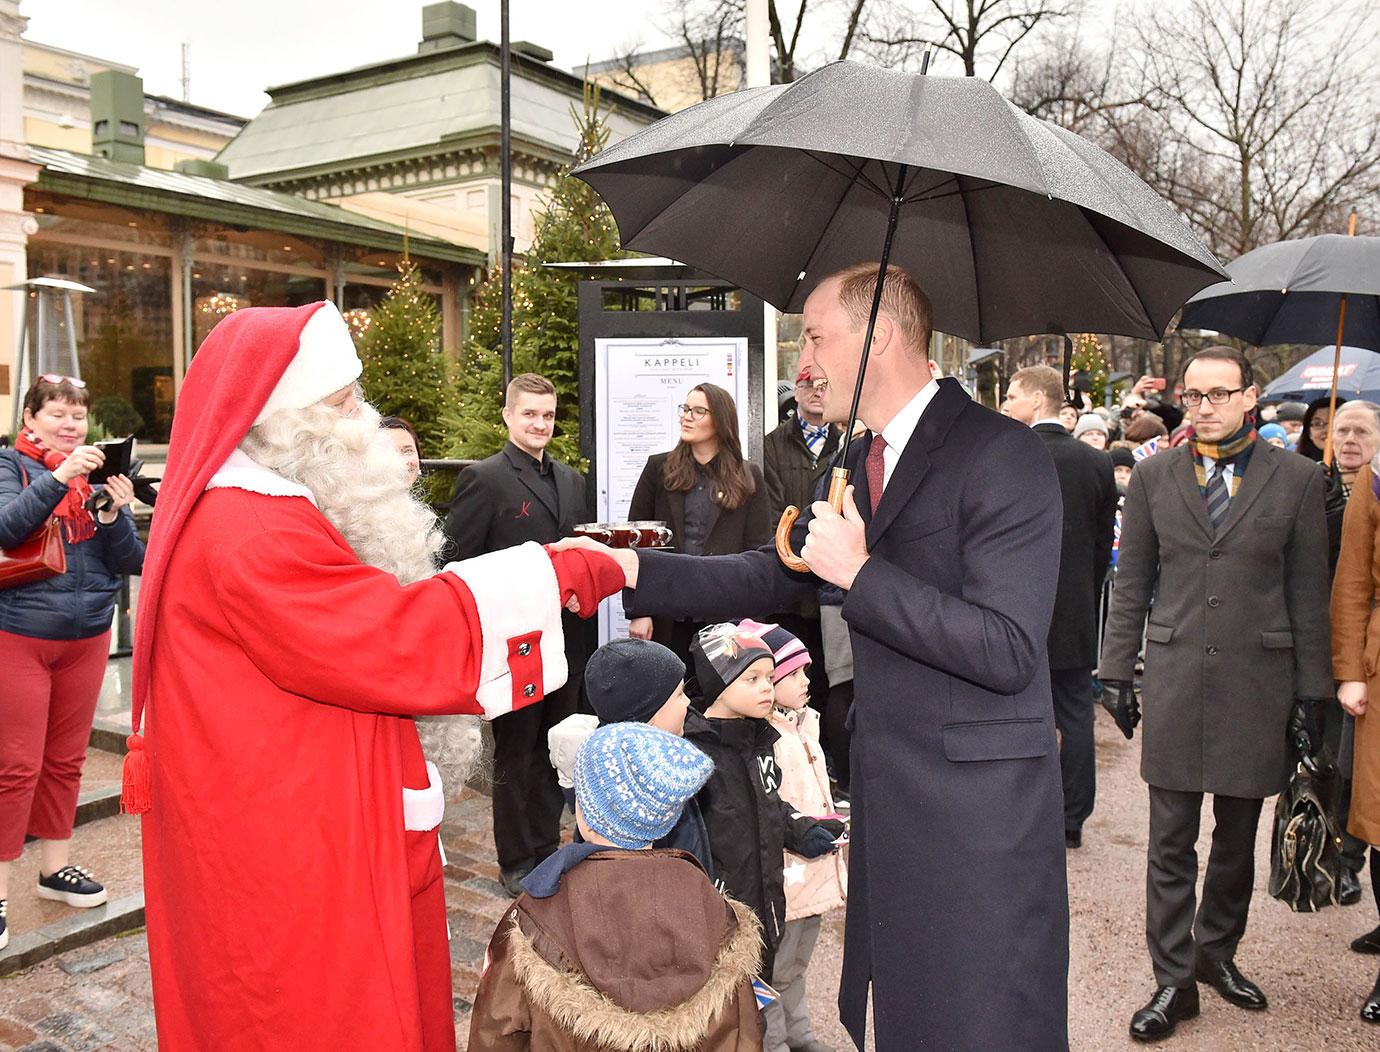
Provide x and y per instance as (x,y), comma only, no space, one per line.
(98,998)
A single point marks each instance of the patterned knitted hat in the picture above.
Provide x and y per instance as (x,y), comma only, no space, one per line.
(722,653)
(786,649)
(632,781)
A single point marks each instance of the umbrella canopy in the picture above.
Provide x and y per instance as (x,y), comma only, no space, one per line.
(1358,376)
(1011,225)
(1290,292)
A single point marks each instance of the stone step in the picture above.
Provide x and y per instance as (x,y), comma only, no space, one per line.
(108,733)
(79,928)
(109,847)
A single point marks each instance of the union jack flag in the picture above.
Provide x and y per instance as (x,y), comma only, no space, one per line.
(1146,449)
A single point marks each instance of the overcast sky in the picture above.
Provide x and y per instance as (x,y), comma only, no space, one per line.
(239,47)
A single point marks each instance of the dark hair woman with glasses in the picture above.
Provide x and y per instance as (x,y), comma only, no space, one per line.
(55,632)
(1316,421)
(714,501)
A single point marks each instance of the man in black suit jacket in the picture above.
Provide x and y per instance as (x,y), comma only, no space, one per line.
(1086,484)
(520,494)
(958,899)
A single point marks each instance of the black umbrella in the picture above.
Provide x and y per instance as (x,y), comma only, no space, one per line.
(1292,291)
(1011,225)
(1323,289)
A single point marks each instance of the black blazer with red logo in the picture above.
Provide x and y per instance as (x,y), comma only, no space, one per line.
(502,501)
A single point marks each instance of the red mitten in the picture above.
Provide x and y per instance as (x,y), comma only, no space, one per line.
(586,574)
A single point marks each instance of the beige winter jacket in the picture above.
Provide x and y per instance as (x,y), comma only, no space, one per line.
(817,885)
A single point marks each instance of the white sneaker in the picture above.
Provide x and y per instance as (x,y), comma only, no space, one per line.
(4,927)
(72,885)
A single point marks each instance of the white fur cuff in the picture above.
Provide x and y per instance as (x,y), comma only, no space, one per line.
(423,809)
(519,603)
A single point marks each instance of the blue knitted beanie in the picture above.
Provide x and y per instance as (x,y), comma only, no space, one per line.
(632,781)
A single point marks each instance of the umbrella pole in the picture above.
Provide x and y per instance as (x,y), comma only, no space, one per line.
(1068,367)
(838,479)
(1337,360)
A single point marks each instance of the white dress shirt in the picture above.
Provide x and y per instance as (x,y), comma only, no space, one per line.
(902,426)
(1228,471)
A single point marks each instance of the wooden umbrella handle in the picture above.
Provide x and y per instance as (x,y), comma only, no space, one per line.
(838,486)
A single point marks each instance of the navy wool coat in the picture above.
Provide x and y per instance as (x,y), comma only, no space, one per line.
(958,899)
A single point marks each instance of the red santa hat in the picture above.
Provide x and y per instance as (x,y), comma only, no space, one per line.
(258,360)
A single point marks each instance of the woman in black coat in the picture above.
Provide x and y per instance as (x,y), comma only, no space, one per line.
(714,501)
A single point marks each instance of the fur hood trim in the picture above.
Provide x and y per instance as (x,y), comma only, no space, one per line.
(586,1013)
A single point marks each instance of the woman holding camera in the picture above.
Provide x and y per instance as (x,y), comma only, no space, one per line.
(55,633)
(713,499)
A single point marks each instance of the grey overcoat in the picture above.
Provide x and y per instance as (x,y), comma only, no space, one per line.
(1239,625)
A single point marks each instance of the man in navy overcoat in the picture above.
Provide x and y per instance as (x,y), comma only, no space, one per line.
(948,550)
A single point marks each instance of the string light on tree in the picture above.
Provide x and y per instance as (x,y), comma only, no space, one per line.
(573,225)
(359,321)
(1090,360)
(406,373)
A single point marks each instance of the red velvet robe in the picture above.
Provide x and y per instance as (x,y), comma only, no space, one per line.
(287,906)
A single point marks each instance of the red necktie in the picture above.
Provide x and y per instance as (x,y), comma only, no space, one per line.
(876,470)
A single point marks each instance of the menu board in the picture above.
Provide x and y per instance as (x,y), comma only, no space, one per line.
(638,384)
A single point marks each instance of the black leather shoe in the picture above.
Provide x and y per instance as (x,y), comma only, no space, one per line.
(1367,943)
(1169,1006)
(1227,980)
(1073,838)
(1349,888)
(1370,1011)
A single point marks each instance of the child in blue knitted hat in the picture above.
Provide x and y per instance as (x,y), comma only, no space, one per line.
(616,944)
(632,681)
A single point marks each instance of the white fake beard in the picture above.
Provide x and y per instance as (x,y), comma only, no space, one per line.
(359,481)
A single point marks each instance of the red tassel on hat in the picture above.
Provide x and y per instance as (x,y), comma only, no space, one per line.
(136,792)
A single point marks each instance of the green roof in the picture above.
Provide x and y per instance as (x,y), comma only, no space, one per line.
(414,107)
(221,201)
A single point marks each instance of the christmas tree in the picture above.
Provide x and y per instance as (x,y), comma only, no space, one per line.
(405,371)
(574,225)
(1090,360)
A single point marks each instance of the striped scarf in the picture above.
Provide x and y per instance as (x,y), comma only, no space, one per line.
(1233,450)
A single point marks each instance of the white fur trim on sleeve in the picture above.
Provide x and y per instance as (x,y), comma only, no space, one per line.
(423,809)
(519,603)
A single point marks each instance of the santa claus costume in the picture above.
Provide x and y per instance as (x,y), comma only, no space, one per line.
(292,873)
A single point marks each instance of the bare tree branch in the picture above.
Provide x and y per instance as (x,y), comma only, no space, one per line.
(977,32)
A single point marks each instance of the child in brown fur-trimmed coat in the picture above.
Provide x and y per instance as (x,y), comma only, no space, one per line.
(616,947)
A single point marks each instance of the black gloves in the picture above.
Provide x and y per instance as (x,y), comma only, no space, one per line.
(1119,699)
(820,838)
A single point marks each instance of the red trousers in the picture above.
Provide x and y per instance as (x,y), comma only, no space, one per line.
(48,694)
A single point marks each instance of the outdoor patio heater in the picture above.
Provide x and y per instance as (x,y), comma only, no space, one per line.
(48,338)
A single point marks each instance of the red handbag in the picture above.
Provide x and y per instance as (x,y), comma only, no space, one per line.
(41,556)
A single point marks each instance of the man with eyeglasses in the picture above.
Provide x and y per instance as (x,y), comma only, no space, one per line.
(1227,536)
